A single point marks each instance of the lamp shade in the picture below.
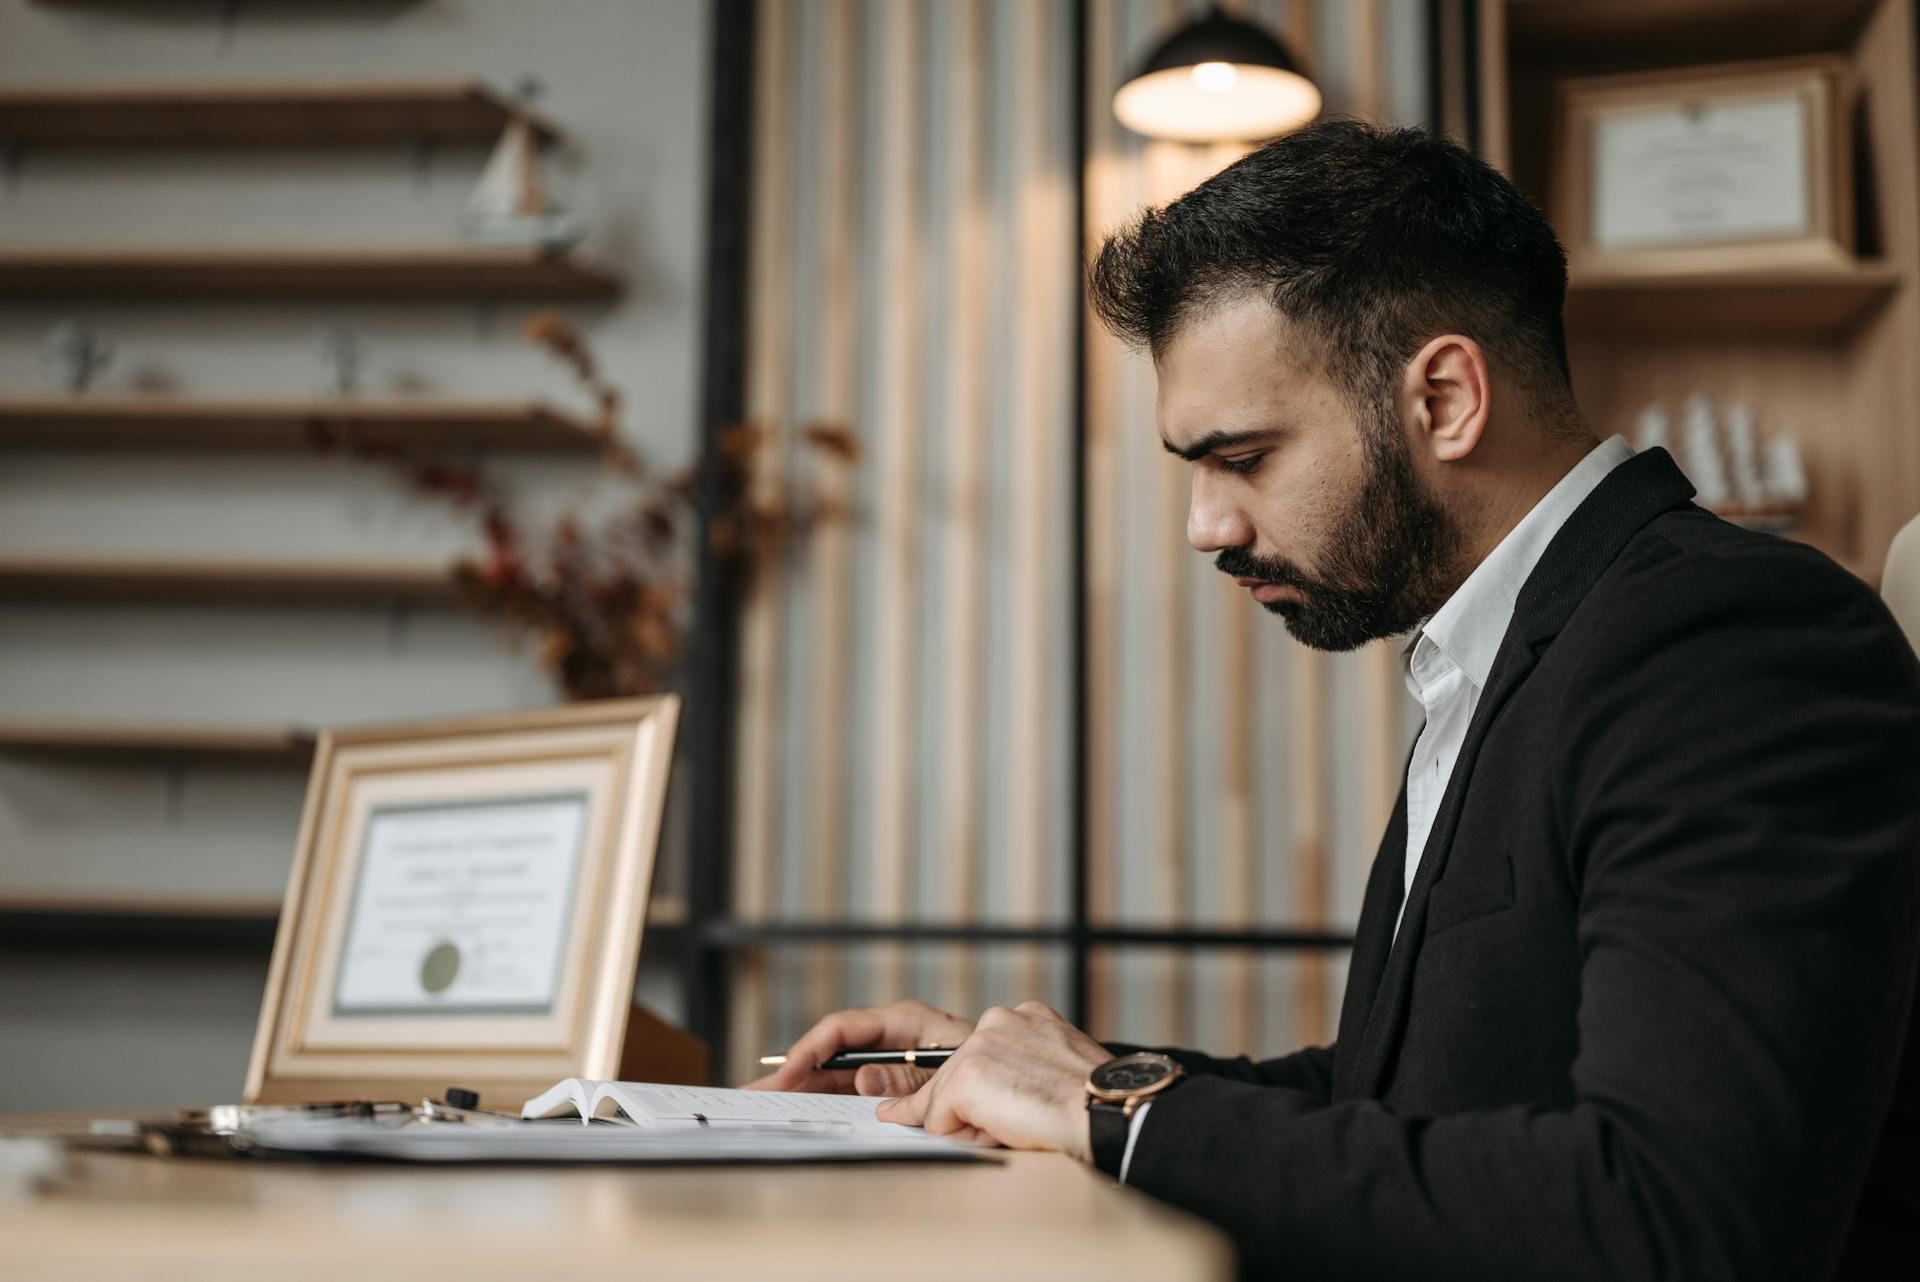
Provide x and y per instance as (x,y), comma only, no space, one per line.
(1217,79)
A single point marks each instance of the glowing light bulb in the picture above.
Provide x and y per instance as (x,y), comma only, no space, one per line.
(1215,77)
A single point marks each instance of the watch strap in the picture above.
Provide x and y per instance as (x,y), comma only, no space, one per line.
(1107,1127)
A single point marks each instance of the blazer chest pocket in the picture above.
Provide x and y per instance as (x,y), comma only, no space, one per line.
(1470,888)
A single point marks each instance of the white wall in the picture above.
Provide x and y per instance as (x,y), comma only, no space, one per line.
(627,82)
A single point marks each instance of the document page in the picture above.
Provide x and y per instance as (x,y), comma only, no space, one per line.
(462,907)
(717,1104)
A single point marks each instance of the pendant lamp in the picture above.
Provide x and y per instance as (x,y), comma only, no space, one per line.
(1217,79)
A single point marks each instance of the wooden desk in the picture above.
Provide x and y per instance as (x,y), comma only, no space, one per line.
(1037,1216)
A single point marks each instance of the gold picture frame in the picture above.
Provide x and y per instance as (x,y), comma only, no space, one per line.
(1742,166)
(526,839)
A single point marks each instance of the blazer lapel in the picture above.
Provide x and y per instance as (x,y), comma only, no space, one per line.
(1372,940)
(1631,495)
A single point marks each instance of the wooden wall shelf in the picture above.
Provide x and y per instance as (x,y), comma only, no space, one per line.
(259,115)
(457,272)
(663,910)
(1811,302)
(45,577)
(261,745)
(1823,355)
(1645,32)
(121,903)
(170,423)
(121,919)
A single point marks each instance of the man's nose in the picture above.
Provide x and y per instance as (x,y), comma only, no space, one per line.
(1213,522)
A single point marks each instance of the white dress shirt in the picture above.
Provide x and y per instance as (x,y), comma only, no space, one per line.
(1448,657)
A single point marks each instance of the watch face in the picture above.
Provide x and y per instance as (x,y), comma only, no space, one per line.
(1132,1074)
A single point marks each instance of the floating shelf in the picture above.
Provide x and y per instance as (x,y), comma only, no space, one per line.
(663,910)
(156,422)
(120,903)
(107,921)
(1680,31)
(221,582)
(264,745)
(169,919)
(458,272)
(1808,302)
(259,114)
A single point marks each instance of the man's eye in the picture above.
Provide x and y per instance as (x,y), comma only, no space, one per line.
(1245,465)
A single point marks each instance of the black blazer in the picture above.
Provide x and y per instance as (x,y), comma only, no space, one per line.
(1646,1013)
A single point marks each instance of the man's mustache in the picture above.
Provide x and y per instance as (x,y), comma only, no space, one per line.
(1241,563)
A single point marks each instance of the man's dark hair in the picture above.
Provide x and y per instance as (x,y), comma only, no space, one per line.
(1371,241)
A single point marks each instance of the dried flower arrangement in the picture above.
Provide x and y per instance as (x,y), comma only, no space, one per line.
(605,598)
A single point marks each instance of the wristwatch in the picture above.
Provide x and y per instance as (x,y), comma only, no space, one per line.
(1114,1091)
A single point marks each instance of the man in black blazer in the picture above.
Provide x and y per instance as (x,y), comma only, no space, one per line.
(1632,986)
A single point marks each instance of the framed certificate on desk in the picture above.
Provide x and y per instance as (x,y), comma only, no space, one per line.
(466,906)
(1742,166)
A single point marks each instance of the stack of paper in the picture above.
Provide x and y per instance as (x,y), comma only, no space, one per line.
(626,1122)
(570,1142)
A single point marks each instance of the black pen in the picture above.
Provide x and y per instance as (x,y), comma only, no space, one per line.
(918,1056)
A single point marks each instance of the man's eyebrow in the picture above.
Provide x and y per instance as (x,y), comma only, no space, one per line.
(1213,442)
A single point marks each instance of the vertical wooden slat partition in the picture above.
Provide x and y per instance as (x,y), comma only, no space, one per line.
(1041,199)
(903,696)
(904,681)
(890,784)
(962,562)
(1109,188)
(830,550)
(760,695)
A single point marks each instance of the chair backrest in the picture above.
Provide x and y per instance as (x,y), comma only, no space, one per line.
(1900,582)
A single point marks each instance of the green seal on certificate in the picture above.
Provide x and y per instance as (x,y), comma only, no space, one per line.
(439,966)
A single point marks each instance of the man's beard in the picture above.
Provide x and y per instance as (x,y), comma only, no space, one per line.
(1389,560)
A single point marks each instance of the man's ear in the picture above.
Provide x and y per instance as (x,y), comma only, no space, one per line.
(1447,397)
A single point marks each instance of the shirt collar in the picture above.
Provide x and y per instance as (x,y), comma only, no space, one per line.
(1469,627)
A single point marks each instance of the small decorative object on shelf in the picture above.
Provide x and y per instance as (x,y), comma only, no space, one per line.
(510,203)
(603,592)
(1786,476)
(340,354)
(75,354)
(1700,454)
(1743,452)
(1653,430)
(1733,473)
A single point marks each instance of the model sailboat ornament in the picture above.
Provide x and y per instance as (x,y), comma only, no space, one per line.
(510,204)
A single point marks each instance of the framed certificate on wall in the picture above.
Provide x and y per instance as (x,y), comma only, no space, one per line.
(1721,168)
(466,906)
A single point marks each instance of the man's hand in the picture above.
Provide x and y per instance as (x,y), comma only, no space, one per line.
(1019,1080)
(896,1026)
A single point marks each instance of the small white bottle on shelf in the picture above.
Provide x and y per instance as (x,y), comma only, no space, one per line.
(1653,429)
(1700,448)
(1786,475)
(1743,451)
